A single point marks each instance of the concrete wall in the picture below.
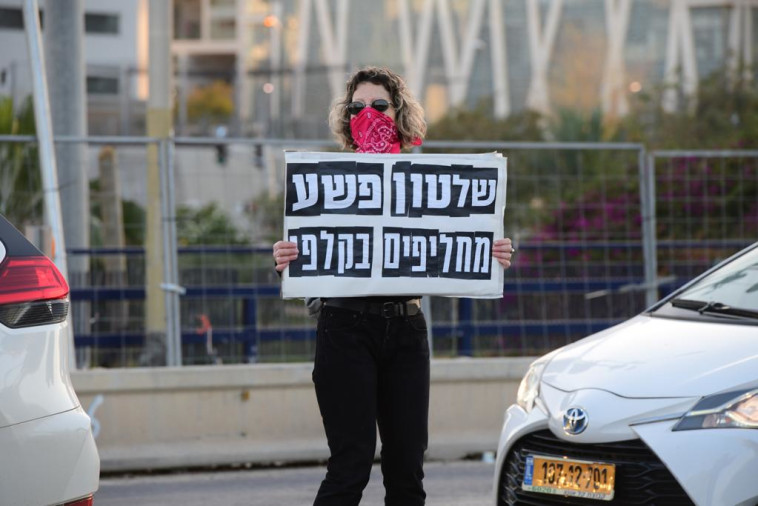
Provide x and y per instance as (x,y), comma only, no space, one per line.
(267,413)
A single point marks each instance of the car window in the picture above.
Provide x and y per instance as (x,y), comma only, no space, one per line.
(735,284)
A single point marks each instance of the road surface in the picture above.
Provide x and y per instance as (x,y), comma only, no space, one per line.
(457,483)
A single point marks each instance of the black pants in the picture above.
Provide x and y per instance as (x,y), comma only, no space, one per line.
(369,371)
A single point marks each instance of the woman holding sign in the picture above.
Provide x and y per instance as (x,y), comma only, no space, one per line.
(372,355)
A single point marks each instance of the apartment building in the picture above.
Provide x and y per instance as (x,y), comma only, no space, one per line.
(115,50)
(282,61)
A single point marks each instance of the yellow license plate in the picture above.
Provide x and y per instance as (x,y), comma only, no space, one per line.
(577,478)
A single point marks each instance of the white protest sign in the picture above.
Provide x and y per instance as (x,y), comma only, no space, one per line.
(405,224)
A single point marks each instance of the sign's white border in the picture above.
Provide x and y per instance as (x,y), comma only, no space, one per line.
(338,286)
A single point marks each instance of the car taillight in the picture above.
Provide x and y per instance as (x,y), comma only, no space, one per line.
(87,501)
(32,292)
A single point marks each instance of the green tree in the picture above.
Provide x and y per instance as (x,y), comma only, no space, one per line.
(132,213)
(479,124)
(21,198)
(722,115)
(266,212)
(211,103)
(696,198)
(206,225)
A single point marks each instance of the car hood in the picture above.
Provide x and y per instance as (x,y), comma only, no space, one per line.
(659,357)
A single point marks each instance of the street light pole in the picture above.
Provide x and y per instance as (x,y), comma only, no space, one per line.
(64,61)
(44,127)
(159,125)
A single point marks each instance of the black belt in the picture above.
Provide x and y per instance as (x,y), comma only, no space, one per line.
(388,309)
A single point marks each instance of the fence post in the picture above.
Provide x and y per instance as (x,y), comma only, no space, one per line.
(109,197)
(170,285)
(649,238)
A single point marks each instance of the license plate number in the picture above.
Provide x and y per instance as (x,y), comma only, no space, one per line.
(576,478)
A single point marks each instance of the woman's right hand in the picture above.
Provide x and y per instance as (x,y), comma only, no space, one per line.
(284,253)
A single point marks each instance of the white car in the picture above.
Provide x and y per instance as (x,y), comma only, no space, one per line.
(47,453)
(659,410)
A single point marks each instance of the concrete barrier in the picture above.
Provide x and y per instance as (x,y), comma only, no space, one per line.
(205,416)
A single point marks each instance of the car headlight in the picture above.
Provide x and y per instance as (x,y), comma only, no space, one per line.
(731,410)
(529,389)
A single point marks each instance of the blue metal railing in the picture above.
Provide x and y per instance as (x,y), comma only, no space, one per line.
(466,327)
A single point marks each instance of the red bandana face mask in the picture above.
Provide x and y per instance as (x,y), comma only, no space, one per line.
(374,132)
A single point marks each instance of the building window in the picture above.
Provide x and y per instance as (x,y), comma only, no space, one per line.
(101,23)
(223,19)
(187,16)
(12,19)
(98,85)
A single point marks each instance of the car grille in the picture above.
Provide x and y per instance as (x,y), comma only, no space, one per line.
(641,478)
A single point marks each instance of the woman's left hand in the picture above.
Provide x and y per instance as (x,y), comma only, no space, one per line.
(503,250)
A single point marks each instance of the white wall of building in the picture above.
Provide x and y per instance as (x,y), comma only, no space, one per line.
(106,49)
(105,54)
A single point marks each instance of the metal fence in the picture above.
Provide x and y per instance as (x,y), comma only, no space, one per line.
(601,230)
(706,208)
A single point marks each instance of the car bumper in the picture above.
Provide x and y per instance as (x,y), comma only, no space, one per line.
(49,460)
(713,466)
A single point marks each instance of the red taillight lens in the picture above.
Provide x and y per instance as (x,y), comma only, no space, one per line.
(30,279)
(87,501)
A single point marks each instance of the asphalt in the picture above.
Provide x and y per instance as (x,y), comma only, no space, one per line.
(215,453)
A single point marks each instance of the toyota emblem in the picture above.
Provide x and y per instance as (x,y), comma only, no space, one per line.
(574,421)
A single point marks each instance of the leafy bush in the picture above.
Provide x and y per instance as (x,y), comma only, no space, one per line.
(205,226)
(20,177)
(594,195)
(211,103)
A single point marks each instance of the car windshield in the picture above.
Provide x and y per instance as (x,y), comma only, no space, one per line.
(732,287)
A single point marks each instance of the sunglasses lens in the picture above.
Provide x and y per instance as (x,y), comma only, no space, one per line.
(380,105)
(355,107)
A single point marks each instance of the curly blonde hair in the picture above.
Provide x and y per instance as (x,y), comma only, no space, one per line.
(409,115)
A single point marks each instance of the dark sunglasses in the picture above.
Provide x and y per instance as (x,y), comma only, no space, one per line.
(379,104)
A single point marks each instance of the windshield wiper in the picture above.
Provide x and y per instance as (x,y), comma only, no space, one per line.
(714,308)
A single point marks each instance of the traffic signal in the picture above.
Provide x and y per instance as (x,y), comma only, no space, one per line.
(221,152)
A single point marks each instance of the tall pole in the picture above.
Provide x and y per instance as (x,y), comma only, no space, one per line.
(159,125)
(45,141)
(64,61)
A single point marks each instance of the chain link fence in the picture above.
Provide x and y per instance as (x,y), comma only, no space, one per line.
(706,208)
(601,229)
(572,210)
